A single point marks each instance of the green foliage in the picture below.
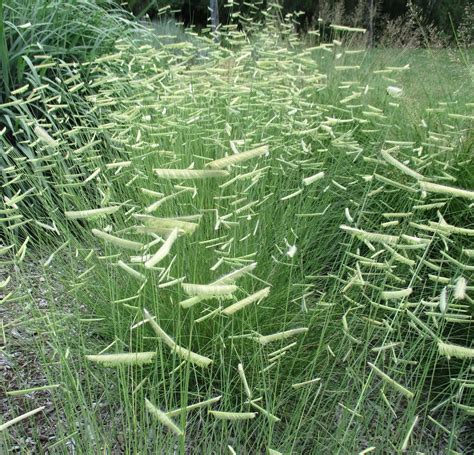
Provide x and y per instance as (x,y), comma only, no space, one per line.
(4,59)
(325,220)
(69,30)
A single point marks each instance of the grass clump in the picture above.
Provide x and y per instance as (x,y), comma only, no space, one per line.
(69,31)
(276,201)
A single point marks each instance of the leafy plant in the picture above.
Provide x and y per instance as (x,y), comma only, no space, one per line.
(271,242)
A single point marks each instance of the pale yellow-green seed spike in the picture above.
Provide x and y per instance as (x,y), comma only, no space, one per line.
(11,422)
(281,335)
(191,407)
(117,241)
(243,378)
(256,297)
(431,187)
(454,350)
(233,415)
(163,251)
(184,353)
(112,360)
(91,213)
(163,418)
(390,381)
(189,174)
(239,158)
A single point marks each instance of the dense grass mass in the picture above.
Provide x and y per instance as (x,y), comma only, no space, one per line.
(264,243)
